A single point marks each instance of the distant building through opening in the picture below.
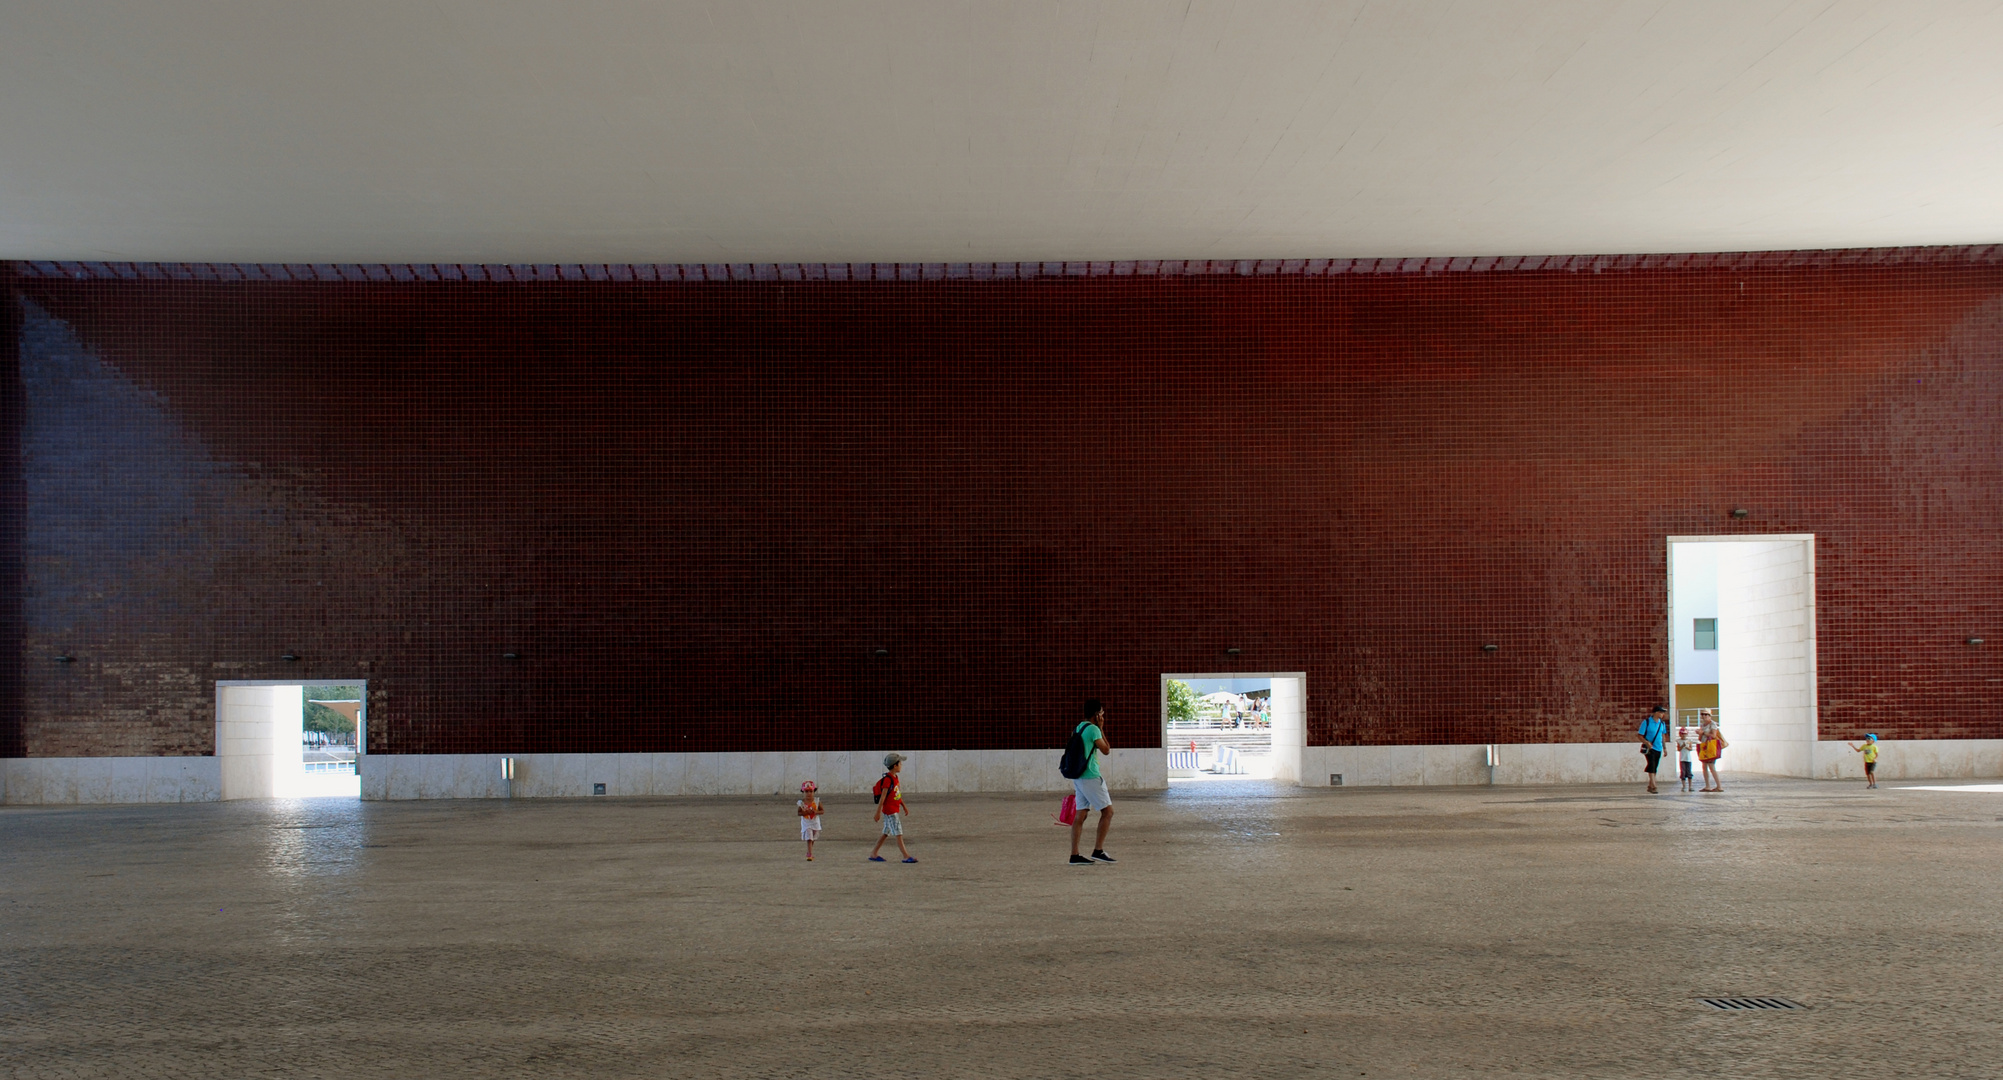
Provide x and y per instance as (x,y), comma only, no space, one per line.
(1218,728)
(329,740)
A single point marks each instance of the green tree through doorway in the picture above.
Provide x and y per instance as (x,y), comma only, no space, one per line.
(323,719)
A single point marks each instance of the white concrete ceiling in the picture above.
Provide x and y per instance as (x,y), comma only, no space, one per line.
(880,130)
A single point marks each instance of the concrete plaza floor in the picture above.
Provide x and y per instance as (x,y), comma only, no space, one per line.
(1246,931)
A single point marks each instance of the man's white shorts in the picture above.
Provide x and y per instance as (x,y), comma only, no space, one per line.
(1092,793)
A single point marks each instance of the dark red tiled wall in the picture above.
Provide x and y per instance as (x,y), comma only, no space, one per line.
(13,741)
(696,510)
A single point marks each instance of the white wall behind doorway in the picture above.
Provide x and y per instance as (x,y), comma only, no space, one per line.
(250,728)
(1694,570)
(1766,649)
(1290,734)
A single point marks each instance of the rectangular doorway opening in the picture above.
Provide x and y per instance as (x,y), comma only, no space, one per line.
(291,740)
(1742,647)
(1233,726)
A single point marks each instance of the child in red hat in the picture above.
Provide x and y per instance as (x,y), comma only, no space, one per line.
(810,816)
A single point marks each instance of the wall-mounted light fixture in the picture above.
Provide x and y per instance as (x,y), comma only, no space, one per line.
(1975,641)
(289,657)
(1741,512)
(511,656)
(1490,647)
(66,659)
(1233,652)
(881,652)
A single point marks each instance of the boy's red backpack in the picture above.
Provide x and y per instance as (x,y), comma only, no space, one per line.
(883,787)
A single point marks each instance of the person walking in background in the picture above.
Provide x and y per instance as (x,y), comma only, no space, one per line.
(1685,750)
(1090,786)
(1710,747)
(1654,730)
(810,815)
(890,808)
(1870,752)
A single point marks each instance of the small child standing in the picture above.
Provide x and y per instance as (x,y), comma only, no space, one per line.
(1685,748)
(810,816)
(890,808)
(1870,752)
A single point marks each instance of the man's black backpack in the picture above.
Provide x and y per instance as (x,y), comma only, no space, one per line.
(1072,765)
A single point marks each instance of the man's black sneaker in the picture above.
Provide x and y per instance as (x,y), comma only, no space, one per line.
(1100,856)
(1080,860)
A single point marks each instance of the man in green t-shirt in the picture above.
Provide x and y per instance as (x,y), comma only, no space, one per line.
(1090,786)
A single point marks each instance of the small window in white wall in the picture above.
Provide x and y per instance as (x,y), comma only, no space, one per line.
(1705,634)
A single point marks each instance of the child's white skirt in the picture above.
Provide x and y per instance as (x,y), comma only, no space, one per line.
(810,827)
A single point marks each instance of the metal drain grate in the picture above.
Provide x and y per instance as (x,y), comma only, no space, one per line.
(1752,1004)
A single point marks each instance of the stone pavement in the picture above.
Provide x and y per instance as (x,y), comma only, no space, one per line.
(1246,931)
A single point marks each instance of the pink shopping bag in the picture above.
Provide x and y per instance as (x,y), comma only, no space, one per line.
(1067,811)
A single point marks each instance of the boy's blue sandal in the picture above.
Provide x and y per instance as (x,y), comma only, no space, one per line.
(910,860)
(876,858)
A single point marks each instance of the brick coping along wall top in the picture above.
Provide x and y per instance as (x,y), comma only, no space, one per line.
(999,271)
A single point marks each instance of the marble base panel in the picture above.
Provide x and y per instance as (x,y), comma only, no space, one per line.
(1515,763)
(1605,763)
(1912,759)
(1767,758)
(563,776)
(31,781)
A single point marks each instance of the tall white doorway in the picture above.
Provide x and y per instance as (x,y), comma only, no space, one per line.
(266,750)
(1234,725)
(1742,643)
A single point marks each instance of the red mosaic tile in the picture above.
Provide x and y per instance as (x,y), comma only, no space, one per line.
(696,501)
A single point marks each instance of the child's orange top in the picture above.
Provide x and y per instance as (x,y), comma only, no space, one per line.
(810,808)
